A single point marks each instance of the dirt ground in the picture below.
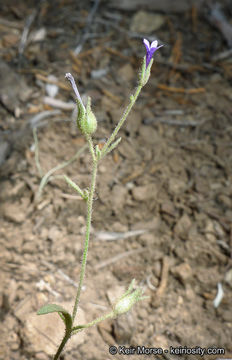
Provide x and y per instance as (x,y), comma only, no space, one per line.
(163,206)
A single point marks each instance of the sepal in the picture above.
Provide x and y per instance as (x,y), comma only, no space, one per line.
(86,120)
(147,74)
(80,114)
(143,70)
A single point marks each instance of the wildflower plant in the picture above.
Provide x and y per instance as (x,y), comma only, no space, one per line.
(87,124)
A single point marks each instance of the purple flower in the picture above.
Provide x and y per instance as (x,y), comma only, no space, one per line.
(150,49)
(70,78)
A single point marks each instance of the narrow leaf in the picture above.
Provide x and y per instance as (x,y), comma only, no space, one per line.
(50,308)
(74,186)
(64,314)
(113,146)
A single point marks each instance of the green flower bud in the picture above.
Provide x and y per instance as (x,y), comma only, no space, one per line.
(128,300)
(86,120)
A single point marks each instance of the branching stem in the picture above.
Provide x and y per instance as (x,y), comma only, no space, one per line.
(95,160)
(133,99)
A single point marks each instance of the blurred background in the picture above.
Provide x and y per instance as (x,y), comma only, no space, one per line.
(163,206)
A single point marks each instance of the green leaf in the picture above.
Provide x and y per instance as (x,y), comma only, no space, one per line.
(132,98)
(74,186)
(98,152)
(50,308)
(112,147)
(64,314)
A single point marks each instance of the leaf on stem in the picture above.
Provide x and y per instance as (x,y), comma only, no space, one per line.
(64,314)
(112,147)
(132,98)
(76,187)
(98,152)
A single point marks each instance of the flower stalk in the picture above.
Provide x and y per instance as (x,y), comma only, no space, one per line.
(87,124)
(88,227)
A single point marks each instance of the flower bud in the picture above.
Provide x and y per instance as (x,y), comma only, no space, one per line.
(89,124)
(86,120)
(128,300)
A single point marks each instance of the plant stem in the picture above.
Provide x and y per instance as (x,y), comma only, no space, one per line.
(85,252)
(123,119)
(79,328)
(62,345)
(88,226)
(88,222)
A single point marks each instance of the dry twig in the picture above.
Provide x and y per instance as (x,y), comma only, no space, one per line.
(156,299)
(119,257)
(180,90)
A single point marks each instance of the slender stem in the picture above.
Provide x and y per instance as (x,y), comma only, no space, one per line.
(62,345)
(88,226)
(85,252)
(122,120)
(91,148)
(79,328)
(95,160)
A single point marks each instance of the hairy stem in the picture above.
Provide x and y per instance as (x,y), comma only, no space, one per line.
(123,119)
(62,345)
(79,328)
(88,226)
(95,160)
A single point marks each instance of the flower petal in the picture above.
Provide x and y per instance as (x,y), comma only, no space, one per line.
(70,78)
(150,49)
(147,44)
(154,44)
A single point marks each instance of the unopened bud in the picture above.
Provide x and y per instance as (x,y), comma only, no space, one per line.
(86,119)
(128,300)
